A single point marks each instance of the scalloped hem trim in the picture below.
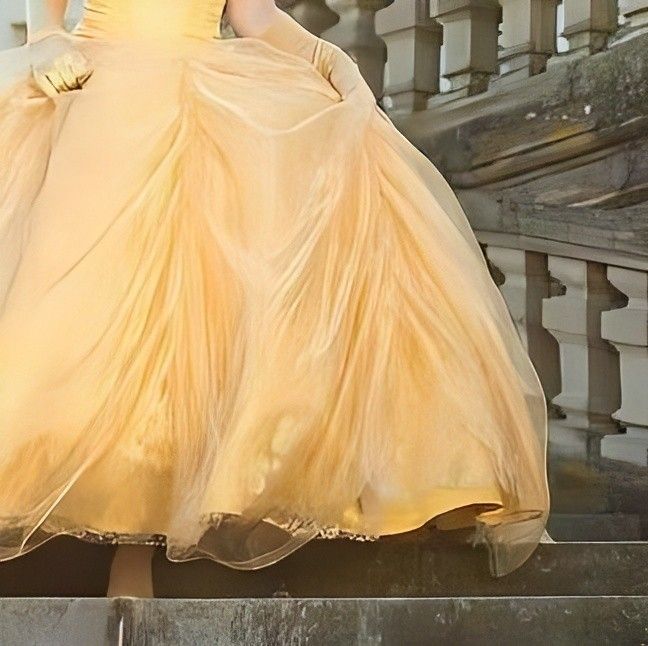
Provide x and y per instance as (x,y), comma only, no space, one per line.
(293,526)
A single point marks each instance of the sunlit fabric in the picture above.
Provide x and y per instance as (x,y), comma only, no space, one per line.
(239,311)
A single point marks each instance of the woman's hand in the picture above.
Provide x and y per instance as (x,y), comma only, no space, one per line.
(56,66)
(263,20)
(332,62)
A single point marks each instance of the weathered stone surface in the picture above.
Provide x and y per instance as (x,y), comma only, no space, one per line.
(402,591)
(73,622)
(592,93)
(393,621)
(261,622)
(561,156)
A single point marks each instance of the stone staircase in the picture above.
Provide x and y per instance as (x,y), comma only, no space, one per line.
(401,591)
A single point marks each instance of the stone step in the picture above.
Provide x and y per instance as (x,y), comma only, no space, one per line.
(401,569)
(404,590)
(590,620)
(406,566)
(603,526)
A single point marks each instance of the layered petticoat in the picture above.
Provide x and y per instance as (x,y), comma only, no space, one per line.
(239,311)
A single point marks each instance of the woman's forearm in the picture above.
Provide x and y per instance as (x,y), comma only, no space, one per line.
(263,20)
(285,33)
(331,62)
(56,12)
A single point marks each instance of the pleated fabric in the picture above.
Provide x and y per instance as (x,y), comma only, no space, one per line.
(239,311)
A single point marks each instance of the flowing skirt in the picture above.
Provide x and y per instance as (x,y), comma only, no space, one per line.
(239,311)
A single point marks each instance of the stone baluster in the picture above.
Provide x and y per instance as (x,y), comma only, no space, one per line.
(588,24)
(590,393)
(470,44)
(528,37)
(591,389)
(511,280)
(627,330)
(356,34)
(524,283)
(413,54)
(635,13)
(314,15)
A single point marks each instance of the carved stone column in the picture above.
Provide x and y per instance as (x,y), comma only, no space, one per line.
(413,54)
(528,37)
(470,40)
(627,330)
(590,393)
(635,13)
(524,283)
(591,388)
(314,15)
(356,34)
(512,283)
(588,23)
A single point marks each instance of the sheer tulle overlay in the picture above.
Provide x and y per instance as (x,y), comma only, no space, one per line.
(239,311)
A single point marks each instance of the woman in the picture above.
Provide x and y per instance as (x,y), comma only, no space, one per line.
(238,310)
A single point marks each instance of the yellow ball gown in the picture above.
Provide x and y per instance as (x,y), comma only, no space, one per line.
(240,311)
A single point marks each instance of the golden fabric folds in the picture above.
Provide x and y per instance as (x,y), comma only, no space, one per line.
(239,310)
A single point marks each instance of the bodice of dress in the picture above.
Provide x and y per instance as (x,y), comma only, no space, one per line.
(164,19)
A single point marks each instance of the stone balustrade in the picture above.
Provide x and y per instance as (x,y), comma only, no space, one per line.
(417,54)
(626,329)
(588,24)
(595,375)
(414,41)
(528,37)
(596,372)
(440,50)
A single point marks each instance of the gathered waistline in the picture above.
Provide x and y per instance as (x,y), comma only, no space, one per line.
(83,30)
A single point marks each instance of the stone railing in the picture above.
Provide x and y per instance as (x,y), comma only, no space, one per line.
(584,319)
(583,315)
(438,50)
